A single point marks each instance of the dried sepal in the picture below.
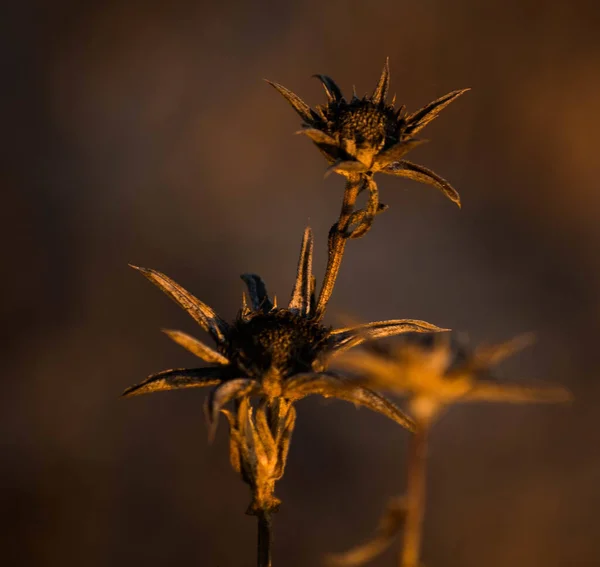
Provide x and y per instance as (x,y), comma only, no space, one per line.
(318,136)
(244,424)
(332,91)
(362,396)
(380,93)
(263,436)
(234,440)
(330,386)
(421,174)
(258,456)
(345,338)
(222,395)
(257,445)
(196,347)
(176,379)
(297,103)
(346,167)
(398,151)
(258,293)
(303,288)
(199,311)
(420,118)
(284,438)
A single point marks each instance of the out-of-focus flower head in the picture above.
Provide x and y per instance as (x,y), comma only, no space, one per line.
(434,371)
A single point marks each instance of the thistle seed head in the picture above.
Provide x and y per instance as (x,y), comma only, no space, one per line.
(279,341)
(366,135)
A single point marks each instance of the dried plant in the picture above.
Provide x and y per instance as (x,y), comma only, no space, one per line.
(279,355)
(433,372)
(359,138)
(270,357)
(367,135)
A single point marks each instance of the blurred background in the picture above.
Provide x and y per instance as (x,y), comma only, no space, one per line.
(142,132)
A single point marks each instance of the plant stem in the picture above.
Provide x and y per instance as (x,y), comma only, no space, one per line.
(415,497)
(337,242)
(264,539)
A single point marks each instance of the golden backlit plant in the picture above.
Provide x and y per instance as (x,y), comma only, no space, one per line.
(433,373)
(270,357)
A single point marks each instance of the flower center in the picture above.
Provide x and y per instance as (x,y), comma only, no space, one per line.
(280,341)
(362,131)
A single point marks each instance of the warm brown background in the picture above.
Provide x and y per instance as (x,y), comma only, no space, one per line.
(143,132)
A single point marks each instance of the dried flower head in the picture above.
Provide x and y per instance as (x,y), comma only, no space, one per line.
(271,352)
(435,371)
(367,135)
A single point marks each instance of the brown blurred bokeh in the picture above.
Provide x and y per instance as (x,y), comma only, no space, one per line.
(143,132)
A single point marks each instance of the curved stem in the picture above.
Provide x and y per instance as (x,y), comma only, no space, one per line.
(415,497)
(367,215)
(265,524)
(337,242)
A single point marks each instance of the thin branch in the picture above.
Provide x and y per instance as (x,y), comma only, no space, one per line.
(389,526)
(415,497)
(337,242)
(265,536)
